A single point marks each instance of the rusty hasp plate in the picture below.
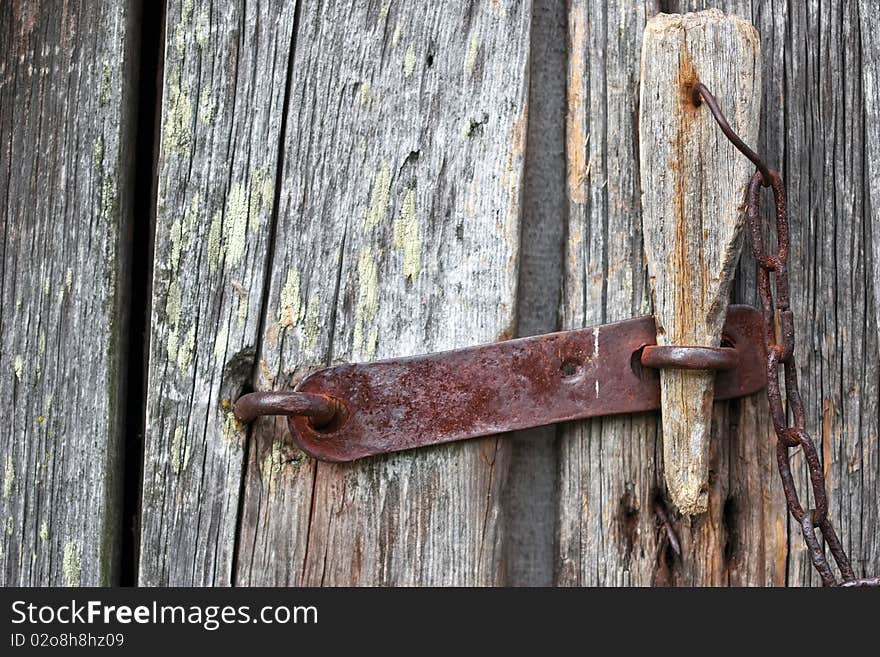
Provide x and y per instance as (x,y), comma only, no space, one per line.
(399,404)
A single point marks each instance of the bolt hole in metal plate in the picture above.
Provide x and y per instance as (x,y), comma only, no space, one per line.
(403,403)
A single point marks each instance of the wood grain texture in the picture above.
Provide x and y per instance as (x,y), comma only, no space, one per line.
(692,216)
(831,278)
(813,123)
(815,130)
(67,79)
(606,466)
(611,469)
(869,30)
(398,233)
(226,67)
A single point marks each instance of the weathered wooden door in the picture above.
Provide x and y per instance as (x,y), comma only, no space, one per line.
(340,181)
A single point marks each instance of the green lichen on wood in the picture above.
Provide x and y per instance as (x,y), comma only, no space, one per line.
(406,236)
(175,235)
(367,304)
(379,197)
(181,229)
(177,128)
(221,342)
(18,366)
(207,106)
(232,428)
(241,307)
(172,304)
(187,347)
(71,564)
(104,96)
(409,61)
(312,325)
(44,531)
(172,315)
(470,60)
(290,307)
(235,222)
(271,466)
(98,153)
(365,94)
(261,196)
(395,38)
(215,240)
(202,29)
(180,450)
(109,201)
(8,477)
(180,29)
(228,232)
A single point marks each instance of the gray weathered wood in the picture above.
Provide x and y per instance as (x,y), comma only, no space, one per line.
(869,30)
(398,233)
(818,140)
(610,468)
(67,79)
(692,217)
(225,74)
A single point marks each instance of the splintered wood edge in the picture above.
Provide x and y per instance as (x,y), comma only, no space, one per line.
(690,309)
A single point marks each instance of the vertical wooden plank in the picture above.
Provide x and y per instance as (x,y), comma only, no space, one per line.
(530,499)
(398,233)
(226,68)
(606,466)
(67,83)
(826,170)
(815,130)
(869,451)
(869,29)
(611,469)
(869,446)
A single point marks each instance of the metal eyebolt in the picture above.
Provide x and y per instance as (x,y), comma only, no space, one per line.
(689,358)
(320,408)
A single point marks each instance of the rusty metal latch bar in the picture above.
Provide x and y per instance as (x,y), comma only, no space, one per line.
(355,410)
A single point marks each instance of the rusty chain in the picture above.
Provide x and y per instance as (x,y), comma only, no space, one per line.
(779,336)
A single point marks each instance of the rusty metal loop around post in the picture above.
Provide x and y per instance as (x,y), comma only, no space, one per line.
(689,358)
(700,93)
(320,408)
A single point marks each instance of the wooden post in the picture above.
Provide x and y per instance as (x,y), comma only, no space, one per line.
(693,183)
(67,121)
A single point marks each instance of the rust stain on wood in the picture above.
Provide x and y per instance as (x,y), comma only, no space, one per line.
(576,142)
(681,267)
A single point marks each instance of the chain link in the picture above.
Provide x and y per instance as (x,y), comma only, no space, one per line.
(779,338)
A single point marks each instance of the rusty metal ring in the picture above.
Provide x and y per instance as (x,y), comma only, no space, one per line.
(320,408)
(689,358)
